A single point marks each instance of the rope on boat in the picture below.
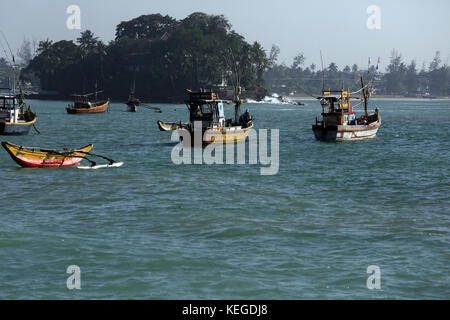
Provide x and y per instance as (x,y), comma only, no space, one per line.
(360,89)
(357,104)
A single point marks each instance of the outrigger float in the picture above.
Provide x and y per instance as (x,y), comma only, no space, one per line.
(29,157)
(339,121)
(206,113)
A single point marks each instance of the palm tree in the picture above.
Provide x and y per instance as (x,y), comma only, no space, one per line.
(88,43)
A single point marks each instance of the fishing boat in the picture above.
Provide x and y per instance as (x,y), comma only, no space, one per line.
(44,158)
(16,118)
(38,158)
(82,104)
(339,121)
(170,126)
(206,113)
(132,103)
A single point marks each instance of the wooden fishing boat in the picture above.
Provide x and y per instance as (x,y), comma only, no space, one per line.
(170,126)
(206,113)
(15,117)
(132,103)
(38,158)
(339,121)
(82,104)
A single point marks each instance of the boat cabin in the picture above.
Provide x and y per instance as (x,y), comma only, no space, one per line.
(8,103)
(336,107)
(82,101)
(207,108)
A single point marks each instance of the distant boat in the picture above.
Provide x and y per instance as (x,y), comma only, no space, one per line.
(206,108)
(132,103)
(38,158)
(339,121)
(427,95)
(15,117)
(82,104)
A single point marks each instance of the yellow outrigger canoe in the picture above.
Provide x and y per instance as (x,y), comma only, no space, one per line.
(38,158)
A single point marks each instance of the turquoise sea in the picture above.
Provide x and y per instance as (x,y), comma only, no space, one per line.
(154,230)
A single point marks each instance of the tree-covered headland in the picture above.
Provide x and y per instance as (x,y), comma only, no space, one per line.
(162,55)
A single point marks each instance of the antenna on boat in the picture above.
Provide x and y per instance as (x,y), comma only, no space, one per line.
(13,62)
(323,74)
(7,43)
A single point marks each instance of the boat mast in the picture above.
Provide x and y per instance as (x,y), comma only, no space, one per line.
(95,90)
(364,92)
(323,74)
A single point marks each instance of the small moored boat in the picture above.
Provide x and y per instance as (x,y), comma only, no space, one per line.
(339,121)
(82,104)
(170,126)
(207,114)
(16,118)
(38,157)
(132,103)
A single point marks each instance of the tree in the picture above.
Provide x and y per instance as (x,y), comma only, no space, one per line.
(26,51)
(209,24)
(152,26)
(200,51)
(411,78)
(395,74)
(273,55)
(333,68)
(260,61)
(434,65)
(298,61)
(88,43)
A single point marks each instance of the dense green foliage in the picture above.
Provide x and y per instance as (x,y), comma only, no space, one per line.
(398,79)
(164,56)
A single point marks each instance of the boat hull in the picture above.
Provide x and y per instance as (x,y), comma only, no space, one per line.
(170,126)
(346,132)
(131,108)
(226,135)
(21,128)
(40,158)
(98,109)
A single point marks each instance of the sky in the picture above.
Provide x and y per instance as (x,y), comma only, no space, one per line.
(416,29)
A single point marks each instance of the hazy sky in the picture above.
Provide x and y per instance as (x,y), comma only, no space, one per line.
(417,29)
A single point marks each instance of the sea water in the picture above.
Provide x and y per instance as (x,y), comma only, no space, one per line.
(155,230)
